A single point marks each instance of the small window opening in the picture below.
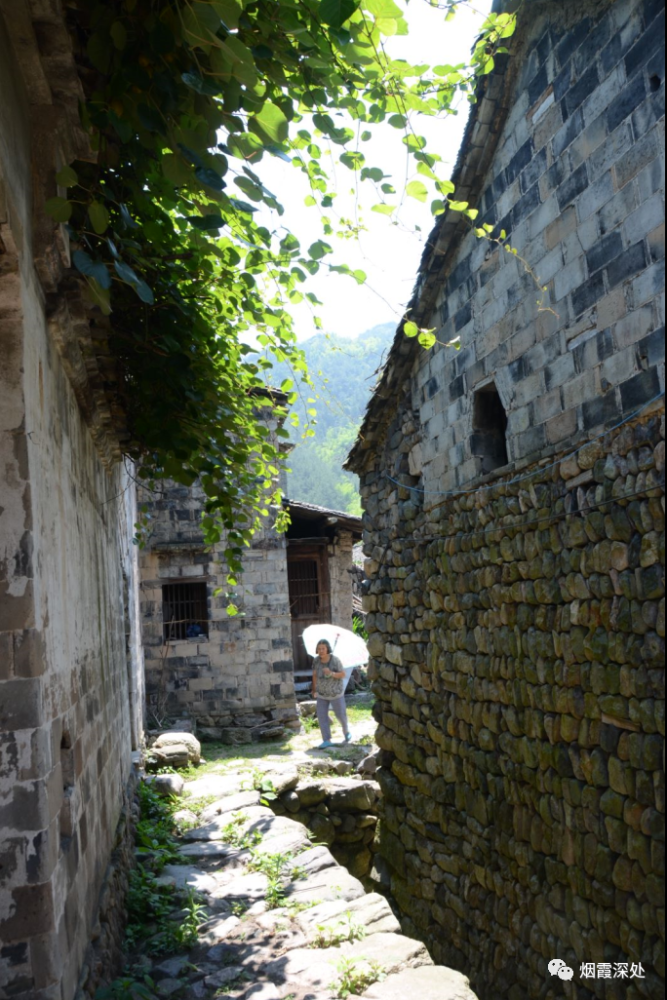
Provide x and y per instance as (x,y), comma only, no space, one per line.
(655,82)
(184,611)
(489,424)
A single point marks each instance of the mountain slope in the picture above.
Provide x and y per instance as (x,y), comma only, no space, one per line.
(343,370)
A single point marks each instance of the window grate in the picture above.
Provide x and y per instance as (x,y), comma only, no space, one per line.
(184,611)
(304,588)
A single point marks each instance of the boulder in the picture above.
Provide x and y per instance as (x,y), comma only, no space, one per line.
(167,784)
(368,766)
(184,817)
(351,795)
(169,743)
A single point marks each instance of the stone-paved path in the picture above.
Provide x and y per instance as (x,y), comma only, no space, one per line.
(326,939)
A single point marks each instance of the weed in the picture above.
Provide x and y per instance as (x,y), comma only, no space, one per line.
(353,980)
(280,870)
(294,908)
(238,909)
(262,784)
(347,930)
(231,833)
(127,988)
(310,723)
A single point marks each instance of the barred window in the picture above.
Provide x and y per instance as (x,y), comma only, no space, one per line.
(184,611)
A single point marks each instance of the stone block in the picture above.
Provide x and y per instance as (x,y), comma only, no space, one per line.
(562,427)
(21,704)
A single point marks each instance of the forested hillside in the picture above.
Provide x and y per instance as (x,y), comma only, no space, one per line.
(343,370)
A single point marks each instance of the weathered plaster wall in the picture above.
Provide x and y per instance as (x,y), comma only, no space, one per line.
(517,632)
(66,722)
(239,681)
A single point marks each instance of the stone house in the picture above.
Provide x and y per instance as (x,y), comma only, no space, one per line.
(71,677)
(237,677)
(514,529)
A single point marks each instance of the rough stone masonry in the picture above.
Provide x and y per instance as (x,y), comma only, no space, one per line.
(515,590)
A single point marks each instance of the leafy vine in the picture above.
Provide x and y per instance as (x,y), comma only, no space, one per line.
(184,99)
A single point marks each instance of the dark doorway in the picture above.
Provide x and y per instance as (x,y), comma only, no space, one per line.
(489,425)
(308,581)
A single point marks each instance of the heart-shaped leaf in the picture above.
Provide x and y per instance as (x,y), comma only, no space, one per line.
(336,12)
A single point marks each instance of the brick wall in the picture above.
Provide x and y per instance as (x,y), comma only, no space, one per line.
(577,184)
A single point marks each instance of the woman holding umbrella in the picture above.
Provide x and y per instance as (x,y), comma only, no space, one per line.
(328,689)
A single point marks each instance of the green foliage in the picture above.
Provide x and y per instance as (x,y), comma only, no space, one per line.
(353,980)
(345,930)
(280,869)
(342,370)
(359,628)
(128,988)
(232,834)
(154,838)
(184,99)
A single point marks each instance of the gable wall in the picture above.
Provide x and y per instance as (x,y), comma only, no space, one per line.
(577,183)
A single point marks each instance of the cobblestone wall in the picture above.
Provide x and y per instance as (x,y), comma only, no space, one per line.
(518,659)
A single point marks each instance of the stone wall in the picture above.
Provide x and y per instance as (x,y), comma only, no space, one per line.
(341,812)
(68,610)
(517,630)
(237,682)
(340,579)
(518,657)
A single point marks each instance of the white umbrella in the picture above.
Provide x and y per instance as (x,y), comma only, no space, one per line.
(348,647)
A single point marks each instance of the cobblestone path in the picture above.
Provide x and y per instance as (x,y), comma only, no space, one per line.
(285,921)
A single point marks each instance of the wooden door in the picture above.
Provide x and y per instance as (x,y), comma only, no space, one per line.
(308,579)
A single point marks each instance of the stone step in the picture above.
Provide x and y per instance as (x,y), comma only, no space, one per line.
(426,983)
(321,968)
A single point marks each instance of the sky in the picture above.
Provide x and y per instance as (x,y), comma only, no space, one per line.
(389,254)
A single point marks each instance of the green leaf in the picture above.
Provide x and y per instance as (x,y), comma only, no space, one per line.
(98,216)
(99,296)
(91,268)
(410,329)
(271,122)
(457,206)
(426,339)
(397,121)
(319,249)
(384,209)
(211,178)
(359,276)
(336,12)
(67,177)
(118,34)
(229,12)
(382,8)
(206,222)
(416,189)
(59,209)
(199,85)
(125,272)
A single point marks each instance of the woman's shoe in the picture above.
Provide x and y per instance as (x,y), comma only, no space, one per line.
(325,745)
(348,737)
